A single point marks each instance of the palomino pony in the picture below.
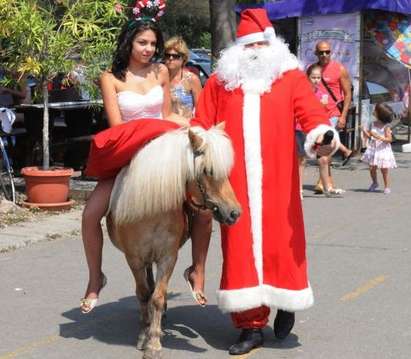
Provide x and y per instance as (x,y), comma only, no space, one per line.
(146,219)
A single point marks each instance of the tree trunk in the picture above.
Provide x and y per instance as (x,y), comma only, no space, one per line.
(222,25)
(46,154)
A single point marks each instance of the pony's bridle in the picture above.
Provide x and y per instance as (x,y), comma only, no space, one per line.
(207,202)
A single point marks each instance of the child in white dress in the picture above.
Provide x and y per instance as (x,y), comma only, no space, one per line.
(379,153)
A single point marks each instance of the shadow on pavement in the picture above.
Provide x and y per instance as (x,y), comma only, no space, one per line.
(117,323)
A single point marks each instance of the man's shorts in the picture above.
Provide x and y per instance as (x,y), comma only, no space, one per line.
(300,139)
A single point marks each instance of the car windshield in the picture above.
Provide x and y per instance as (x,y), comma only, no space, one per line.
(199,56)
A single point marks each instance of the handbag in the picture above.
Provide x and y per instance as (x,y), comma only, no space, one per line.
(340,104)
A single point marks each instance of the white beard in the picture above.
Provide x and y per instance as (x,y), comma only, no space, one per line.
(255,69)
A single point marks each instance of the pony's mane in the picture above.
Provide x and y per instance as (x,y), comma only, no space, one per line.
(155,180)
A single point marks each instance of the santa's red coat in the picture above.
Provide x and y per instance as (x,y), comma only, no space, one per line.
(264,252)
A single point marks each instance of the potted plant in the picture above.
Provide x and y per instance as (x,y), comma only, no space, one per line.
(44,38)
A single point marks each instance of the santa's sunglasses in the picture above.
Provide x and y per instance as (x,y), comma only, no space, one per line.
(169,56)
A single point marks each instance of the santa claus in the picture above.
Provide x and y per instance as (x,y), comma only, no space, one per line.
(260,93)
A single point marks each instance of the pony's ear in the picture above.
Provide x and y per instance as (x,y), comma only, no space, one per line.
(220,126)
(195,140)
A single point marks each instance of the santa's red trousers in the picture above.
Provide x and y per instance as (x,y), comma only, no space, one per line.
(252,318)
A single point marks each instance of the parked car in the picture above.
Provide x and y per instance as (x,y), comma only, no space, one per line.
(203,53)
(202,59)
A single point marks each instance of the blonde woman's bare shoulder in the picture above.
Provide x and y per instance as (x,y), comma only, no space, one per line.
(159,69)
(191,75)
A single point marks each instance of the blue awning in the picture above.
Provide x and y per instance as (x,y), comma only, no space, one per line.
(281,9)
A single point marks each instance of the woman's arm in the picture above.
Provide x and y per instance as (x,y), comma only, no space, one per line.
(109,94)
(196,88)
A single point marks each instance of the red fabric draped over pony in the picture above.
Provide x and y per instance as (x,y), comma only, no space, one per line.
(114,147)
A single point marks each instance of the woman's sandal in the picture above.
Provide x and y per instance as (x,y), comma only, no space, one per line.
(88,304)
(334,193)
(198,295)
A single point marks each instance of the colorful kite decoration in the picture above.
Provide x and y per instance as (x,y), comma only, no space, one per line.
(393,33)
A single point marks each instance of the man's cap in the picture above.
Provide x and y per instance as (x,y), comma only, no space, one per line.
(254,26)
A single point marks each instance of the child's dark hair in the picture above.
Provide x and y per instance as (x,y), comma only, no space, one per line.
(384,112)
(125,42)
(312,67)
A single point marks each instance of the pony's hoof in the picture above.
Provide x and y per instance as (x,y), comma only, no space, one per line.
(152,354)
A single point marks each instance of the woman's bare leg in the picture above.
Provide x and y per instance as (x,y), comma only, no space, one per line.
(92,234)
(346,151)
(325,175)
(200,241)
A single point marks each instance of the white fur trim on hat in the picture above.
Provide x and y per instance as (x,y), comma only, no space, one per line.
(267,35)
(312,137)
(238,300)
(250,38)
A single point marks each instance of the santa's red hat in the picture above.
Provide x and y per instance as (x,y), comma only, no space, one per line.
(254,26)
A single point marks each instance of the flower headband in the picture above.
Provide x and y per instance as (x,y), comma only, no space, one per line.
(149,10)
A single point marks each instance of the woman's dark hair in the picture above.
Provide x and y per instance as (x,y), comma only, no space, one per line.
(384,112)
(311,68)
(129,31)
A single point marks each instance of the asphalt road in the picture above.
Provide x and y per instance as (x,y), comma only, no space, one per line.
(360,267)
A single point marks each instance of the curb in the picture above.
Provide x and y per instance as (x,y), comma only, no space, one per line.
(64,225)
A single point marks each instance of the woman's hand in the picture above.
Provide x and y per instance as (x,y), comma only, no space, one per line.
(342,122)
(324,150)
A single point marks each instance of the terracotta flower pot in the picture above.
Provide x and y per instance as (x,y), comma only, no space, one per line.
(47,189)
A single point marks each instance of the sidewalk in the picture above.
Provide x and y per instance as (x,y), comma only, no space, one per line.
(48,226)
(65,225)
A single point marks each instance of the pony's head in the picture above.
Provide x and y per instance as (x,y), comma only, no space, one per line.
(192,163)
(208,186)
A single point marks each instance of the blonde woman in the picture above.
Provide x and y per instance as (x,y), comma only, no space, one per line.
(185,88)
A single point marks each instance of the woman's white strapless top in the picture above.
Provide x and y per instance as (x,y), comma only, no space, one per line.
(134,105)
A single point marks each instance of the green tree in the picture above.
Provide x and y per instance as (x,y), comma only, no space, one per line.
(189,19)
(223,22)
(44,38)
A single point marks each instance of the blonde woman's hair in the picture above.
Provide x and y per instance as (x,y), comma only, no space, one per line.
(178,44)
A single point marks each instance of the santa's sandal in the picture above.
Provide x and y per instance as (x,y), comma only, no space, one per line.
(88,304)
(198,295)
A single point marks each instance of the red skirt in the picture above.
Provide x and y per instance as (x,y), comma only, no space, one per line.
(113,148)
